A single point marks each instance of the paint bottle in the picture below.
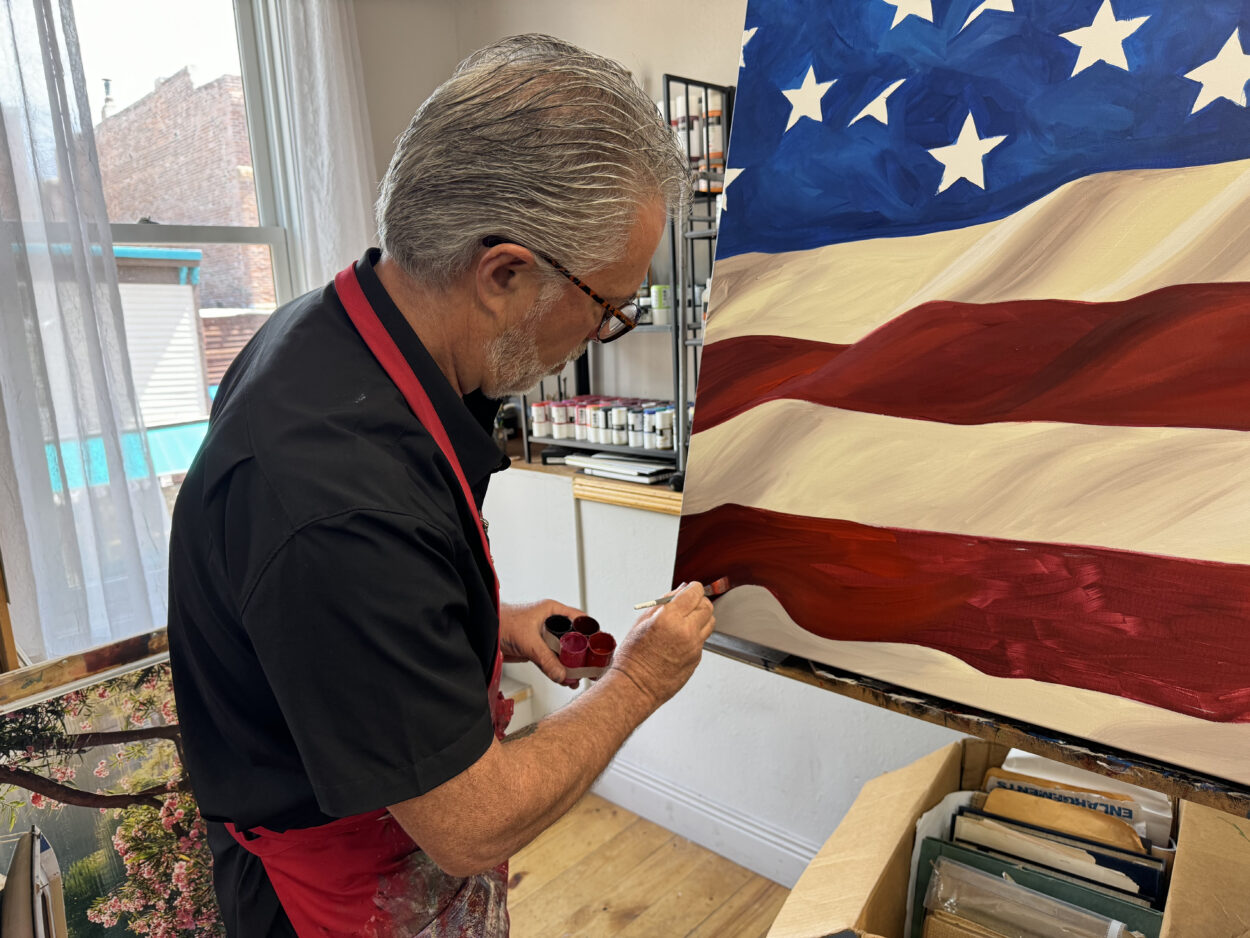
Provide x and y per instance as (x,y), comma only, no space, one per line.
(573,647)
(586,625)
(600,647)
(715,135)
(539,412)
(558,625)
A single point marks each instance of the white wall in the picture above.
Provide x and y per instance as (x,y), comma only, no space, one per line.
(409,47)
(752,765)
(692,38)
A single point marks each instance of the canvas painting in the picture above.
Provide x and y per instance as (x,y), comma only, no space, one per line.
(973,407)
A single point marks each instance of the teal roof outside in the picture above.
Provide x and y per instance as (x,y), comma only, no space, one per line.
(85,463)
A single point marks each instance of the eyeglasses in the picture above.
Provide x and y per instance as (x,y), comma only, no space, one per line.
(616,321)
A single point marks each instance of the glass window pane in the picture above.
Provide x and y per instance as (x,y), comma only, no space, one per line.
(167,98)
(189,310)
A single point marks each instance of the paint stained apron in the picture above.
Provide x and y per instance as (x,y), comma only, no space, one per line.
(363,875)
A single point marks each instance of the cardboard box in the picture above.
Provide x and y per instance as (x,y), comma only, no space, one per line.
(856,886)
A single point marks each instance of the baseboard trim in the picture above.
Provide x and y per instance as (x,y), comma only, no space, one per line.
(776,854)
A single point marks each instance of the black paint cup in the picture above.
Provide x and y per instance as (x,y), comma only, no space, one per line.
(558,625)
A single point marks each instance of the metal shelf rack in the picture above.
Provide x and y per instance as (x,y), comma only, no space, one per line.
(700,112)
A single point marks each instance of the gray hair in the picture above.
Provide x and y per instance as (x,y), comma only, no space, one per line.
(535,140)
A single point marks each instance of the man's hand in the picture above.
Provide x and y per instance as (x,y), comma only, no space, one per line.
(660,652)
(521,634)
(463,824)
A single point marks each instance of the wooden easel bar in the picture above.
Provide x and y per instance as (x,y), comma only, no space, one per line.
(47,679)
(8,647)
(1171,780)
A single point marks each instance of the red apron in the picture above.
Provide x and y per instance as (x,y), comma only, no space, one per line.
(364,875)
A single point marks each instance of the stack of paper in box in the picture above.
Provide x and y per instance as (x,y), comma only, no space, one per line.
(623,468)
(1043,849)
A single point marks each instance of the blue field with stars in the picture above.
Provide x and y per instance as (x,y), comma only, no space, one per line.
(861,119)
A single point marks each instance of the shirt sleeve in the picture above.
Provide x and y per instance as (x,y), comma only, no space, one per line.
(361,625)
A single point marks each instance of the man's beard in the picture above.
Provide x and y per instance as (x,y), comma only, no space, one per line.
(512,362)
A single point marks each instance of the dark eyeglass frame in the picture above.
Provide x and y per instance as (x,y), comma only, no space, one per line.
(616,320)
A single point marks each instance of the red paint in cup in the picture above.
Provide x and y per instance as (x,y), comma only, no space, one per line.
(599,652)
(573,648)
(586,625)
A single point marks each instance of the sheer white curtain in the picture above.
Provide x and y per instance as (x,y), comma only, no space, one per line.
(329,174)
(82,521)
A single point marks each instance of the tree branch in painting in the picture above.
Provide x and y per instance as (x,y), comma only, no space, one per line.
(48,749)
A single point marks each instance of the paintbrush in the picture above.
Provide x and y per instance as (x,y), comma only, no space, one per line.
(712,589)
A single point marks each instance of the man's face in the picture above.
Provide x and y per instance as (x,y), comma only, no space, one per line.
(558,328)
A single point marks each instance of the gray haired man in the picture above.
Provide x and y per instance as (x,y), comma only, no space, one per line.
(335,627)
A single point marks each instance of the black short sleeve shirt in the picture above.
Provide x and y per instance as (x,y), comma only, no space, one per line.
(332,626)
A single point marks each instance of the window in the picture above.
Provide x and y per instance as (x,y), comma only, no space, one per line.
(183,146)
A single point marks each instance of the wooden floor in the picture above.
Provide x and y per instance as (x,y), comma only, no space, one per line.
(602,871)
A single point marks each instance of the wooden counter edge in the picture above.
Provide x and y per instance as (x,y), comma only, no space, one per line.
(627,494)
(520,465)
(610,491)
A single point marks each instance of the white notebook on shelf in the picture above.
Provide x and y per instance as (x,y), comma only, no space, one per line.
(620,465)
(626,477)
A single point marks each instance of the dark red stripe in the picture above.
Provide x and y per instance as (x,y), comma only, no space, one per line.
(1164,631)
(1178,357)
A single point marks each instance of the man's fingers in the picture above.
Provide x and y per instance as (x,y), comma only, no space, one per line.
(707,628)
(557,608)
(549,664)
(688,597)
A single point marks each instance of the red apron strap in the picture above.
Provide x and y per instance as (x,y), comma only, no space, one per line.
(384,349)
(327,878)
(392,360)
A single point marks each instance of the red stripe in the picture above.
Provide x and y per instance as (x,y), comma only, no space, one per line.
(1169,632)
(1177,357)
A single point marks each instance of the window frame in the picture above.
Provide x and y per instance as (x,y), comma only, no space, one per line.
(258,28)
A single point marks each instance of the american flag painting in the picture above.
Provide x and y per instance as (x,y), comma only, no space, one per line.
(973,409)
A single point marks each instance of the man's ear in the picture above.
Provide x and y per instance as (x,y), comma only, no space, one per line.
(506,281)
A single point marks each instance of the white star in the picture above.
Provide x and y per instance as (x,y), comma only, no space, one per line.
(906,8)
(1103,39)
(805,99)
(1225,76)
(963,158)
(1002,6)
(731,174)
(876,107)
(742,53)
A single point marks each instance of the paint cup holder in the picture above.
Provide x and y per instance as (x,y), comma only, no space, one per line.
(583,649)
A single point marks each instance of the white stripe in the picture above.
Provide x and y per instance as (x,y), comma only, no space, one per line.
(1217,749)
(1177,492)
(1102,238)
